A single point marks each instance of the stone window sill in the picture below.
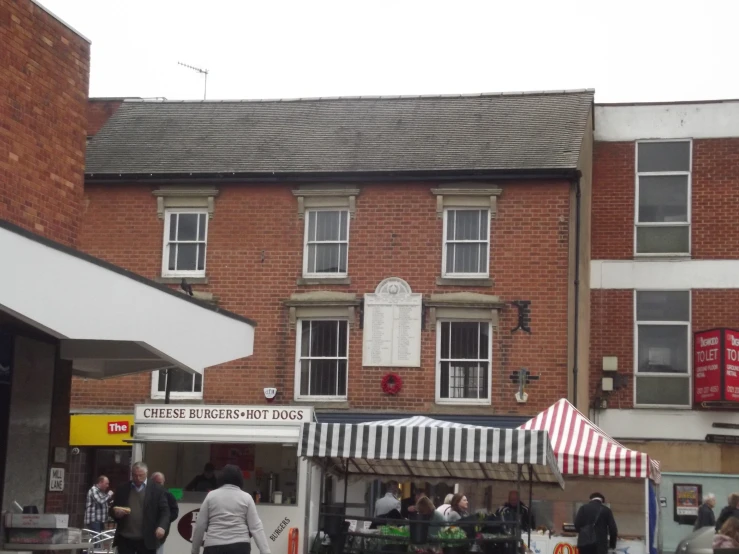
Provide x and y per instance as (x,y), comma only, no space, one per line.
(178,280)
(305,281)
(459,282)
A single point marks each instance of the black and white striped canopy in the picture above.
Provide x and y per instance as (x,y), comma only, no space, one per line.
(421,447)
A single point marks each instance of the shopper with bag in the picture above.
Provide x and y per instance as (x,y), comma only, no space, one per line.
(596,528)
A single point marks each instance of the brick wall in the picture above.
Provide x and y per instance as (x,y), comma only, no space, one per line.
(715,235)
(44,79)
(99,111)
(396,232)
(714,232)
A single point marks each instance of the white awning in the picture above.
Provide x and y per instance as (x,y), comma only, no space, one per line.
(111,321)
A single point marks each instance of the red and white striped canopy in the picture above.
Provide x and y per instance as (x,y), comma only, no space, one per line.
(581,448)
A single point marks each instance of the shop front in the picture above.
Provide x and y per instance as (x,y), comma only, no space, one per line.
(179,440)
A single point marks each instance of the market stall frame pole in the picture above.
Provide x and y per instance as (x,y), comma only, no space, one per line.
(518,504)
(531,499)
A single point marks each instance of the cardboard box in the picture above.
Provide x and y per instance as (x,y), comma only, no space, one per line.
(36,521)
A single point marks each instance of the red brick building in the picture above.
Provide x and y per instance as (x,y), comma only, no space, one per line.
(61,311)
(293,211)
(664,253)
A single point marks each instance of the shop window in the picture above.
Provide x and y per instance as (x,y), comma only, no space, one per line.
(322,358)
(463,361)
(662,348)
(183,384)
(663,174)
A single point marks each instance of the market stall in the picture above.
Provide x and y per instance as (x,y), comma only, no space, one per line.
(590,459)
(179,440)
(429,449)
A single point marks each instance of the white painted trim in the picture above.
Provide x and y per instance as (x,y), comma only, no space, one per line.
(156,394)
(298,338)
(698,120)
(463,401)
(482,275)
(689,375)
(663,424)
(165,243)
(672,274)
(339,275)
(688,222)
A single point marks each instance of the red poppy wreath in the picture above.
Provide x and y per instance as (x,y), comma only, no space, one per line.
(392,384)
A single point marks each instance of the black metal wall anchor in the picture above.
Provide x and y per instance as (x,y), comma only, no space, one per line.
(524,375)
(524,315)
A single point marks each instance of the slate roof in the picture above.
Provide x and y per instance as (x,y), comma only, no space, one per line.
(493,132)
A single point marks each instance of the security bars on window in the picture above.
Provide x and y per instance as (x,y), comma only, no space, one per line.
(323,358)
(464,360)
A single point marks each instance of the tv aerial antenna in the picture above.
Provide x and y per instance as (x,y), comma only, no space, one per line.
(203,71)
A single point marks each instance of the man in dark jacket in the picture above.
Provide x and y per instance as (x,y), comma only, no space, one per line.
(596,514)
(141,509)
(174,509)
(510,510)
(732,510)
(706,517)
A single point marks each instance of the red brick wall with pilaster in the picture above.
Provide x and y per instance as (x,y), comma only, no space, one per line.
(714,235)
(395,232)
(714,202)
(44,73)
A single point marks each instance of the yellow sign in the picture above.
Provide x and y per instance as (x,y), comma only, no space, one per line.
(100,429)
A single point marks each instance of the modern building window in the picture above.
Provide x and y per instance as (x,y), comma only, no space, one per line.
(184,384)
(322,358)
(185,241)
(663,197)
(463,361)
(662,348)
(326,243)
(466,243)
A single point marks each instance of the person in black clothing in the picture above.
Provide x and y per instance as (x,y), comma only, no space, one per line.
(596,514)
(204,482)
(174,509)
(509,511)
(732,510)
(408,505)
(706,517)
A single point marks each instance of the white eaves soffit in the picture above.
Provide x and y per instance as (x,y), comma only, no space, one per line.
(111,321)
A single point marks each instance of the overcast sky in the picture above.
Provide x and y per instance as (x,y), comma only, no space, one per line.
(628,51)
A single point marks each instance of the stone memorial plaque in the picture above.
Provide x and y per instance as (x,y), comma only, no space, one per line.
(392,326)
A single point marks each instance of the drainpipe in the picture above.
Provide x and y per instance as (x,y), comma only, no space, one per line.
(576,326)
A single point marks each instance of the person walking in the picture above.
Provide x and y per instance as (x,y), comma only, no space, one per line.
(596,527)
(706,517)
(142,511)
(174,509)
(96,505)
(228,518)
